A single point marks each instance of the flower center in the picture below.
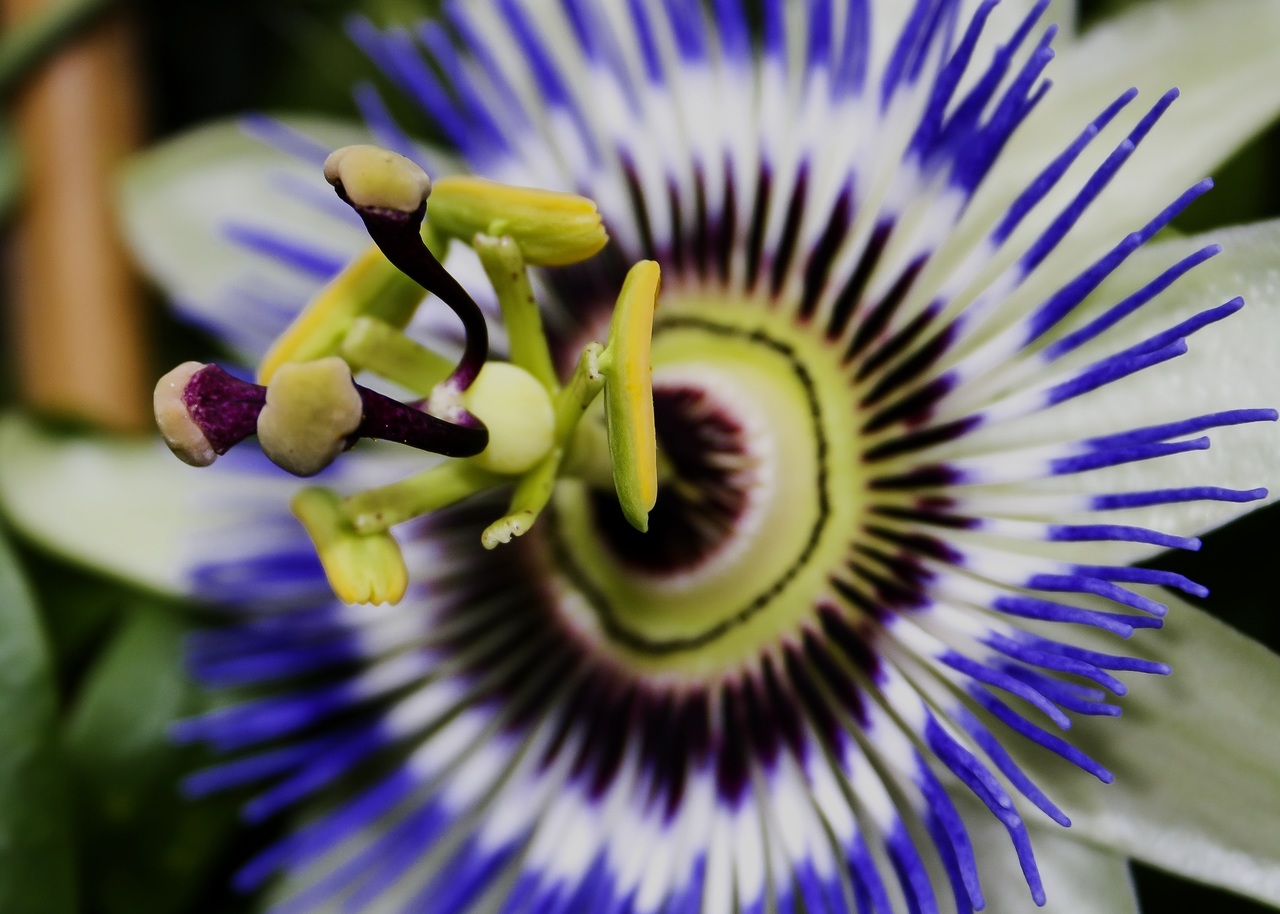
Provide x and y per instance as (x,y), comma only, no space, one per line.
(755,436)
(711,493)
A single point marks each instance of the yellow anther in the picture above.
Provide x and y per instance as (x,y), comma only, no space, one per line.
(361,568)
(369,285)
(376,178)
(517,410)
(312,409)
(628,394)
(552,229)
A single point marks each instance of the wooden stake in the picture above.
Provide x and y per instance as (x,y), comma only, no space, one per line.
(77,309)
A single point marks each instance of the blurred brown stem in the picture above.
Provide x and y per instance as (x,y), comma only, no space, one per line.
(76,307)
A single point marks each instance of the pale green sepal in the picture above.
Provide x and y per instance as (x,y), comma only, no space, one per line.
(628,394)
(178,199)
(1078,878)
(130,509)
(1221,56)
(1003,21)
(1230,365)
(889,19)
(123,507)
(1065,14)
(1196,756)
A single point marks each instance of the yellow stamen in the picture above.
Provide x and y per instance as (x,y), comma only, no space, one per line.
(552,229)
(361,568)
(628,394)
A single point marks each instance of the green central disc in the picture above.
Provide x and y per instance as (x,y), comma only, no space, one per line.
(792,464)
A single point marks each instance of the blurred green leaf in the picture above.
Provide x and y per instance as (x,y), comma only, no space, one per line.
(397,12)
(1245,188)
(119,505)
(37,867)
(146,847)
(79,609)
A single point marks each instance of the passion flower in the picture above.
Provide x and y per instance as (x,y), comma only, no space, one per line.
(743,638)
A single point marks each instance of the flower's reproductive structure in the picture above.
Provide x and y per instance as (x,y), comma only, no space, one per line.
(781,596)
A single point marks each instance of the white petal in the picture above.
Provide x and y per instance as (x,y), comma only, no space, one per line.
(1224,66)
(1196,757)
(129,508)
(1078,878)
(179,198)
(1066,14)
(1230,365)
(125,507)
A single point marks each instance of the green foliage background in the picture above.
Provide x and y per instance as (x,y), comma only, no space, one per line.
(90,670)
